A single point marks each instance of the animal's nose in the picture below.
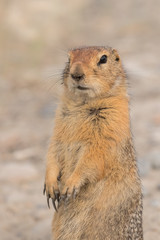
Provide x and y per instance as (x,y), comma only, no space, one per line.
(77,72)
(77,77)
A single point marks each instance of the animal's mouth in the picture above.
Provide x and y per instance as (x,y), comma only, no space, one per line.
(82,88)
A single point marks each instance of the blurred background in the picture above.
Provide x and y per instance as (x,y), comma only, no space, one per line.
(34,38)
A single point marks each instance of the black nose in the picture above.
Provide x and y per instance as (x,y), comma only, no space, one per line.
(77,77)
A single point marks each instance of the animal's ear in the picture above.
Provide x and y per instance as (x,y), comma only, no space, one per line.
(69,57)
(116,55)
(70,54)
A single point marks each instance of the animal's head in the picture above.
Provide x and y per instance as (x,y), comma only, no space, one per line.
(93,71)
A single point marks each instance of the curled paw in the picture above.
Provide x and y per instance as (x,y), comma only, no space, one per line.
(70,190)
(52,191)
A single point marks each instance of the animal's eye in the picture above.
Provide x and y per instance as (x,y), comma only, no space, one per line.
(103,60)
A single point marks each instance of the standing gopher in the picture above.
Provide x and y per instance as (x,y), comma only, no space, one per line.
(91,168)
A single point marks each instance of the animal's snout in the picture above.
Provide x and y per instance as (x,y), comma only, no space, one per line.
(77,72)
(77,77)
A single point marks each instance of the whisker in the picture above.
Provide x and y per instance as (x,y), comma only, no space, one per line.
(54,86)
(58,75)
(50,71)
(53,69)
(52,74)
(62,51)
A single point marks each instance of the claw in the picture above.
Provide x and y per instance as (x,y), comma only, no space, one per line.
(57,195)
(54,205)
(59,202)
(63,197)
(44,189)
(66,200)
(48,197)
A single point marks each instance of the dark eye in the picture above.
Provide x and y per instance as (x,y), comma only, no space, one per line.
(102,60)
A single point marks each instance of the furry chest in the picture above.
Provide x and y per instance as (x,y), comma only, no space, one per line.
(69,154)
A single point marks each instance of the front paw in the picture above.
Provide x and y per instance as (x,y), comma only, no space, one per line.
(51,189)
(71,189)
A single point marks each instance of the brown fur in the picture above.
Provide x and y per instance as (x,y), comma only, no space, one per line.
(92,148)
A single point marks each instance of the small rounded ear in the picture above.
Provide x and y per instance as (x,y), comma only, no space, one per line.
(70,54)
(116,55)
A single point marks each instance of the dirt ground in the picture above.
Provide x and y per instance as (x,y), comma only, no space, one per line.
(35,36)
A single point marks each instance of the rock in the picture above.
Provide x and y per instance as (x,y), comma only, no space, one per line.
(14,172)
(144,167)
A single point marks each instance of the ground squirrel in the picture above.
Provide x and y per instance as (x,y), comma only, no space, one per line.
(91,168)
